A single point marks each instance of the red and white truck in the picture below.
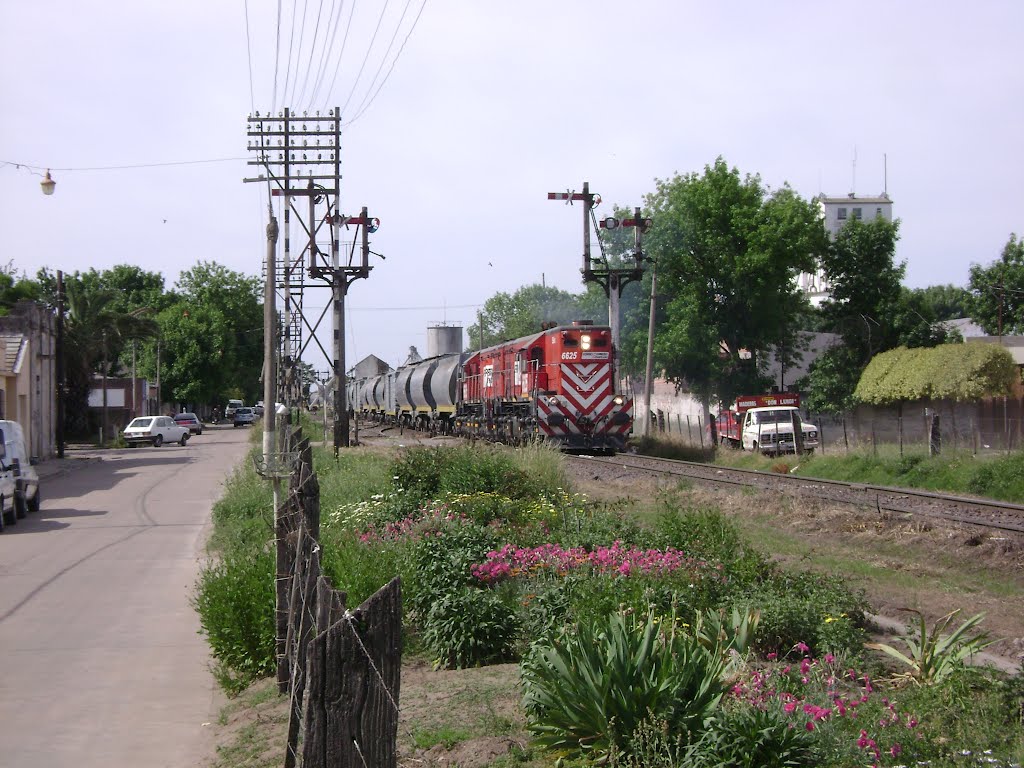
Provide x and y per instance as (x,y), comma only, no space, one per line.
(765,423)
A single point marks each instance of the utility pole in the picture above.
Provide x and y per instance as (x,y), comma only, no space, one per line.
(270,358)
(649,373)
(159,400)
(103,425)
(597,270)
(61,385)
(300,156)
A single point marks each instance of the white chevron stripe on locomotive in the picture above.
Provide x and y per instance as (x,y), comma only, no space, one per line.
(582,376)
(587,403)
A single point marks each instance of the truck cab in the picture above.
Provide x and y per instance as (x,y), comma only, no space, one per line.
(764,423)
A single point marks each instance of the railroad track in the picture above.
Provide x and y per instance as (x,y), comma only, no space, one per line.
(998,515)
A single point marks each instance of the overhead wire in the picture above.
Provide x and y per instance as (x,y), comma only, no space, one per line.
(341,55)
(277,59)
(291,45)
(391,68)
(127,166)
(248,53)
(298,52)
(384,58)
(325,58)
(366,57)
(312,50)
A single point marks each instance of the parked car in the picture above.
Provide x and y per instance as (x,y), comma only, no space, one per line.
(244,416)
(258,408)
(190,420)
(22,467)
(231,407)
(8,488)
(155,430)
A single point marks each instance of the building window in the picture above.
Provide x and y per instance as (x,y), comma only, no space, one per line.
(878,212)
(841,214)
(858,213)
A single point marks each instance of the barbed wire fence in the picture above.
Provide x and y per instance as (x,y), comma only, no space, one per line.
(341,668)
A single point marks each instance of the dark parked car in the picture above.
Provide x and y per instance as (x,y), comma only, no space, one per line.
(190,420)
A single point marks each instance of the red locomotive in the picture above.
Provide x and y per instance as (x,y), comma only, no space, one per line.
(558,385)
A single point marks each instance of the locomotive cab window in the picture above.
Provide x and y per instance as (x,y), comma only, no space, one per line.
(569,341)
(601,341)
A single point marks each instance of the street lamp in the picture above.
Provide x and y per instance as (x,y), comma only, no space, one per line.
(48,183)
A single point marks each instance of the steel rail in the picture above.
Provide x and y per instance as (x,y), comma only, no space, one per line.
(1004,516)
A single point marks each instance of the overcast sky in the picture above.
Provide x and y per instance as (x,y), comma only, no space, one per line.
(488,107)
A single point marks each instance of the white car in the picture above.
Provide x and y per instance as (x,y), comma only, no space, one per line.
(155,430)
(8,488)
(243,416)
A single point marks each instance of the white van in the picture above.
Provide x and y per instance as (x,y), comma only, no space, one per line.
(12,448)
(26,479)
(232,406)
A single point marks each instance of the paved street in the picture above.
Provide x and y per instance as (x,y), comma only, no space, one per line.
(102,662)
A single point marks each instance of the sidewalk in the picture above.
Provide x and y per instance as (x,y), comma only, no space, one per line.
(75,456)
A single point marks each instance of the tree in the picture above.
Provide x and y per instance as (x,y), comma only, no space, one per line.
(997,291)
(864,285)
(194,338)
(862,308)
(239,300)
(511,316)
(946,302)
(728,252)
(14,289)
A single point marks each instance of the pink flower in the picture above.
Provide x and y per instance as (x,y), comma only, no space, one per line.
(895,749)
(809,726)
(802,647)
(789,707)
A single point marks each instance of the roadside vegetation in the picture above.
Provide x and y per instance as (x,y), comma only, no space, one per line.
(662,639)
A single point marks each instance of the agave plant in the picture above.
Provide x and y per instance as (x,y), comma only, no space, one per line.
(734,632)
(933,655)
(589,693)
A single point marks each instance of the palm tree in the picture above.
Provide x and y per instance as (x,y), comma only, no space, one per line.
(94,336)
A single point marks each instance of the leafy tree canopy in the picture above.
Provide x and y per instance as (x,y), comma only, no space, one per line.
(946,302)
(728,252)
(511,316)
(997,291)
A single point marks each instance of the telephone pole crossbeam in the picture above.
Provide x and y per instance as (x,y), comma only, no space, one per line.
(298,152)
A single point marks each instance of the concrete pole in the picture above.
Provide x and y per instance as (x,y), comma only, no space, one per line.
(649,373)
(61,384)
(270,354)
(340,407)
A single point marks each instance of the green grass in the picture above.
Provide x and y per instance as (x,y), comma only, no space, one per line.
(958,472)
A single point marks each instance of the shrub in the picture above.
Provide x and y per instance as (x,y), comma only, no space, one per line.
(235,601)
(742,736)
(588,693)
(470,627)
(807,608)
(442,560)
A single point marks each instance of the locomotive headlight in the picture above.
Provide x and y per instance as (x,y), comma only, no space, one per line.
(618,400)
(585,341)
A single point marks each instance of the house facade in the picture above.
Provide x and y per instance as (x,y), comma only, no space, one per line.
(28,374)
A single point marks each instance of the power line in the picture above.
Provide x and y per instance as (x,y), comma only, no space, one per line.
(384,58)
(327,54)
(366,57)
(125,167)
(341,55)
(312,50)
(277,59)
(291,45)
(298,52)
(248,51)
(391,68)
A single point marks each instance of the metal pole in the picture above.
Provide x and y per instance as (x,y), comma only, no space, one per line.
(270,354)
(340,412)
(159,401)
(649,374)
(61,384)
(103,426)
(133,380)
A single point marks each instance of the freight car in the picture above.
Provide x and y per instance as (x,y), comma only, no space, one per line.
(558,385)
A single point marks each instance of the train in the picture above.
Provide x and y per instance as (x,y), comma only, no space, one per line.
(558,386)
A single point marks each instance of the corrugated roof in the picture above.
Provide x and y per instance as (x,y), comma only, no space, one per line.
(12,352)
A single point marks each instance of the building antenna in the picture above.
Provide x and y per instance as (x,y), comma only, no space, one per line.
(853,188)
(885,175)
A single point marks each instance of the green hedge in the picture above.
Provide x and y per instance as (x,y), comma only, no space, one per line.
(947,372)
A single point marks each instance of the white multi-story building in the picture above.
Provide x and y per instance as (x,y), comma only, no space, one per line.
(835,212)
